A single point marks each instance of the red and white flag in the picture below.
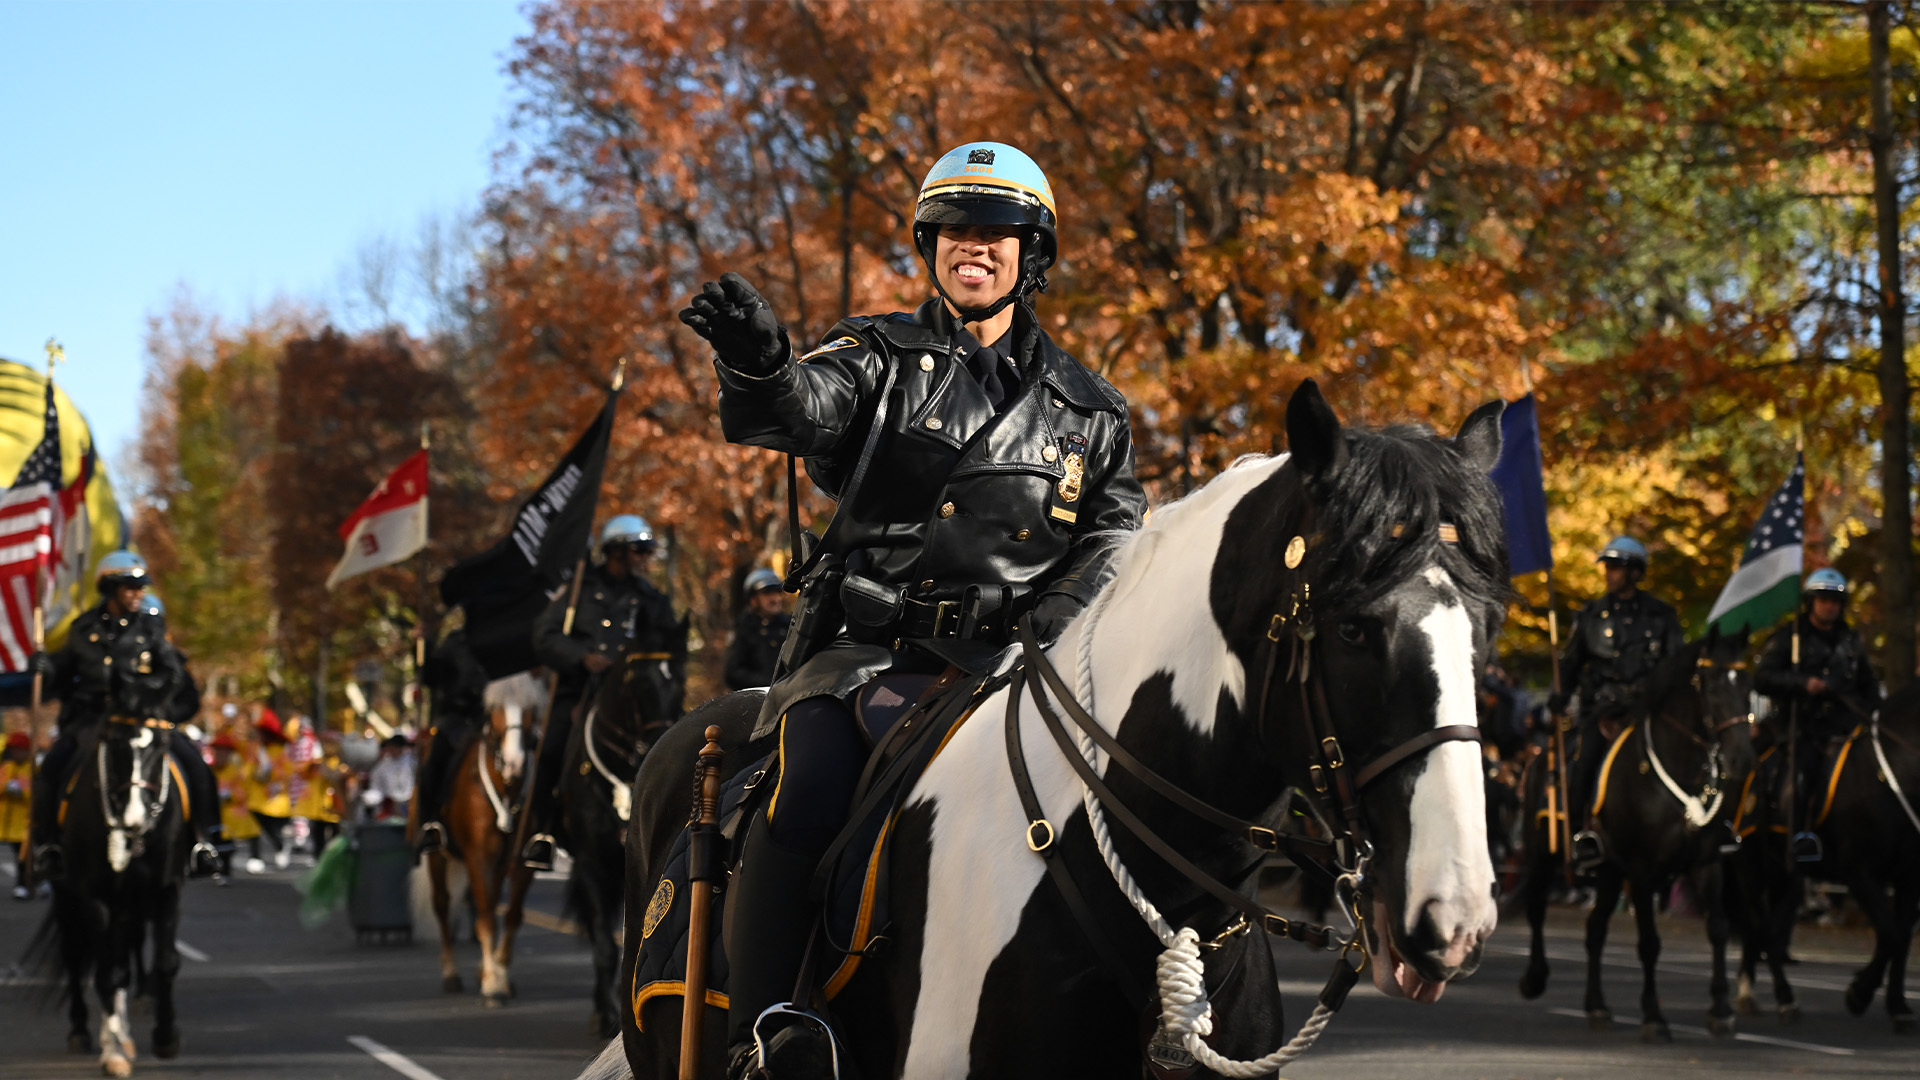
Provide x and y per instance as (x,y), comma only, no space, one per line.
(390,526)
(30,519)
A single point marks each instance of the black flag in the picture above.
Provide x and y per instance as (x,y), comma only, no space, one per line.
(505,587)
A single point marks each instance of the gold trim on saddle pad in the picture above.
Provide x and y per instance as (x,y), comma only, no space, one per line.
(1606,769)
(1833,780)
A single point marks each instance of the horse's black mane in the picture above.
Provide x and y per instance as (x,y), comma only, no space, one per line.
(1404,476)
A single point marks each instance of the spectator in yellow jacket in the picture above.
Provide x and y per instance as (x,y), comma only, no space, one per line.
(232,773)
(16,784)
(271,800)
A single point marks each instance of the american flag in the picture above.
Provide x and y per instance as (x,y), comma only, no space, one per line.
(28,525)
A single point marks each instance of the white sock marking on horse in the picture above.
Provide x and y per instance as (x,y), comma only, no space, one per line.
(1449,873)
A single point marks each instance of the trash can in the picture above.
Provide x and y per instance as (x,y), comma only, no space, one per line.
(380,906)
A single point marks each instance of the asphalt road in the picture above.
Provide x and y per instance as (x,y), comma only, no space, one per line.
(264,997)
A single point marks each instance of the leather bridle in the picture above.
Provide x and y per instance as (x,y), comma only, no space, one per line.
(1334,776)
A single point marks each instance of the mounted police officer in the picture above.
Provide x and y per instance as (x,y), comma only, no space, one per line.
(458,683)
(1827,689)
(759,632)
(1617,642)
(618,611)
(118,662)
(983,477)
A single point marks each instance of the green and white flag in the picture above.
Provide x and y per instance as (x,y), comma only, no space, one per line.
(1767,585)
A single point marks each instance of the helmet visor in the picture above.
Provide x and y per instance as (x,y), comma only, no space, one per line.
(978,206)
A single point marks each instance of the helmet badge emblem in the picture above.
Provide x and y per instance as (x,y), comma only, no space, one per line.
(980,157)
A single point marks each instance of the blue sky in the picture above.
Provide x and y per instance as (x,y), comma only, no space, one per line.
(244,150)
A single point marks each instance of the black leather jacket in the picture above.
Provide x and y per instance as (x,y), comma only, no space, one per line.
(116,664)
(609,613)
(1617,643)
(1036,497)
(1839,658)
(755,649)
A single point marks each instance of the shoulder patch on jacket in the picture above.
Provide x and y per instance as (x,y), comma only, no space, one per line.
(845,341)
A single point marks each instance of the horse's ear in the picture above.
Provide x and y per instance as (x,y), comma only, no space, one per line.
(1479,438)
(1313,432)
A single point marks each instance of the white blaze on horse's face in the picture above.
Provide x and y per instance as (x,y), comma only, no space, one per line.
(1448,874)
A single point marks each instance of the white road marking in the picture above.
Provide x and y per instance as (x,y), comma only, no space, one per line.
(190,952)
(1688,1029)
(392,1060)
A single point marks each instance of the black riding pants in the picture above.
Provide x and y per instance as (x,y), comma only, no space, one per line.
(821,755)
(444,751)
(1586,750)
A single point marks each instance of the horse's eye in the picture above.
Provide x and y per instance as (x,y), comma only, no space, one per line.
(1352,632)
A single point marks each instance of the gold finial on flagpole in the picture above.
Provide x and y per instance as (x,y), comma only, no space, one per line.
(56,354)
(426,436)
(619,374)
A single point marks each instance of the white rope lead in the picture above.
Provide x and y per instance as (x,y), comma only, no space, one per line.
(1180,974)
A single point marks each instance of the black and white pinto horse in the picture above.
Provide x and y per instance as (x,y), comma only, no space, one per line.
(631,707)
(1360,580)
(1666,797)
(127,841)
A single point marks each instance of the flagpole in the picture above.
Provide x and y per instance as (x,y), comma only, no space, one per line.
(424,713)
(1793,702)
(55,354)
(614,387)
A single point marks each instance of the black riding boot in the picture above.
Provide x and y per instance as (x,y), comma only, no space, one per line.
(544,798)
(769,918)
(48,859)
(429,791)
(1587,853)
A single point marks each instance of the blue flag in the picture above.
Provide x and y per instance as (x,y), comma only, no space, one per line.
(1523,490)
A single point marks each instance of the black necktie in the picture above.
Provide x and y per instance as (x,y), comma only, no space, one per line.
(990,368)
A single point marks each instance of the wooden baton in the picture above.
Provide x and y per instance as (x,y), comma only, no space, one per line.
(703,871)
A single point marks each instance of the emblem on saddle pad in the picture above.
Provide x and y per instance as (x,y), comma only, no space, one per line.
(657,908)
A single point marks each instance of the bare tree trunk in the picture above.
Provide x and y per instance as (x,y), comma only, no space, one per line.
(1896,530)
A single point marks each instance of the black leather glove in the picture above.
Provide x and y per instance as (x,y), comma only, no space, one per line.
(733,316)
(1051,615)
(41,664)
(1557,704)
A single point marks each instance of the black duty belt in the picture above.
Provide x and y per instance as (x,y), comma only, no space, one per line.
(880,613)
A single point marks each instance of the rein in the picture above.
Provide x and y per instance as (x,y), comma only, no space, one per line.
(1886,770)
(126,842)
(622,790)
(1701,810)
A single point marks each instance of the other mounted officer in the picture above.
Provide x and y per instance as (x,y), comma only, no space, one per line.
(758,632)
(1828,689)
(458,685)
(1617,642)
(983,476)
(117,661)
(618,611)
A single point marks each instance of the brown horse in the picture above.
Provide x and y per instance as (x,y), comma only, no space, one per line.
(479,817)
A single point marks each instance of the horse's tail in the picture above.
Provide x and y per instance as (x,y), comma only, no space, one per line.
(610,1065)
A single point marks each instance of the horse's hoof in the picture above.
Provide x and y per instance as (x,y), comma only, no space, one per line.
(1655,1031)
(1903,1024)
(1858,999)
(1789,1013)
(452,984)
(79,1043)
(118,1067)
(166,1046)
(1533,984)
(494,1001)
(1720,1027)
(1745,1005)
(1600,1019)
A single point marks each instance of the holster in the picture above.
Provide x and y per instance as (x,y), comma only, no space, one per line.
(822,616)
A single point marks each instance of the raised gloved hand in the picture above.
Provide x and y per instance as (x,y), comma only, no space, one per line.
(1052,614)
(733,316)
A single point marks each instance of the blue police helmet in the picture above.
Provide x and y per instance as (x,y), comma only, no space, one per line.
(761,580)
(629,529)
(990,183)
(1624,549)
(154,606)
(120,568)
(1825,580)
